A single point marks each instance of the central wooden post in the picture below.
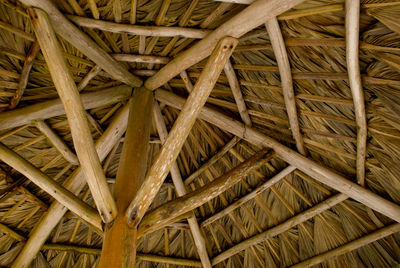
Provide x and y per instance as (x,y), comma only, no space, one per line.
(119,245)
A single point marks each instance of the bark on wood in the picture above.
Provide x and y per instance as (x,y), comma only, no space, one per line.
(75,184)
(57,142)
(23,80)
(353,69)
(168,212)
(283,227)
(161,31)
(119,244)
(278,45)
(54,189)
(51,108)
(182,126)
(180,188)
(76,115)
(249,196)
(251,17)
(84,43)
(318,172)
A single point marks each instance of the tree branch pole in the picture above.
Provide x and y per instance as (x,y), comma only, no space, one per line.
(119,244)
(76,115)
(180,130)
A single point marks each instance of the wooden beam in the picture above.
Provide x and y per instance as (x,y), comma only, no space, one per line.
(251,17)
(278,45)
(318,172)
(161,31)
(169,211)
(260,189)
(353,69)
(353,245)
(76,115)
(23,80)
(51,108)
(180,130)
(50,186)
(119,244)
(283,227)
(141,58)
(180,189)
(212,160)
(84,43)
(74,183)
(237,93)
(57,142)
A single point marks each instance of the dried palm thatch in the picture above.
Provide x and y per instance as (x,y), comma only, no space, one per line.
(266,219)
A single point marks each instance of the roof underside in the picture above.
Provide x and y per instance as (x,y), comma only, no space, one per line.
(314,34)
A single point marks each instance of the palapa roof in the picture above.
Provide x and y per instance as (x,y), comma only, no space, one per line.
(306,216)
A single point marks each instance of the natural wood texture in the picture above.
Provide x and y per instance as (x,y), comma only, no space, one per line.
(182,126)
(283,227)
(84,43)
(353,69)
(251,17)
(237,93)
(119,244)
(62,195)
(85,81)
(173,209)
(306,165)
(76,115)
(212,160)
(23,80)
(51,108)
(57,142)
(278,45)
(180,189)
(141,58)
(160,31)
(260,189)
(355,244)
(75,184)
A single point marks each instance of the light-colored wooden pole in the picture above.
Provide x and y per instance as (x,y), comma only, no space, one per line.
(141,58)
(283,227)
(166,213)
(84,43)
(278,45)
(352,8)
(251,17)
(180,130)
(75,184)
(346,248)
(318,172)
(57,142)
(119,244)
(181,190)
(50,186)
(76,115)
(259,190)
(51,108)
(161,31)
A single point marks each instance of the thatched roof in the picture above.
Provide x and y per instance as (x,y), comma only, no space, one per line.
(299,217)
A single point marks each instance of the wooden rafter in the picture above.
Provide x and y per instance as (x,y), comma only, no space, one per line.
(170,150)
(75,184)
(119,244)
(278,45)
(353,69)
(249,18)
(76,115)
(173,209)
(181,190)
(306,165)
(84,43)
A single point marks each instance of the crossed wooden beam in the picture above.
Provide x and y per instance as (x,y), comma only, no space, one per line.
(124,211)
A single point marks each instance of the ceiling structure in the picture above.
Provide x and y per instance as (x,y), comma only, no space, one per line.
(232,133)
